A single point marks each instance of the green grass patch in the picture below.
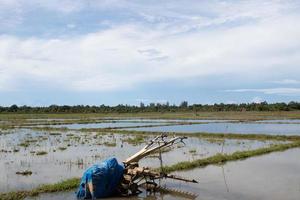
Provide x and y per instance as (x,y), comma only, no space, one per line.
(24,144)
(54,133)
(139,139)
(62,148)
(41,153)
(192,151)
(253,115)
(66,185)
(110,144)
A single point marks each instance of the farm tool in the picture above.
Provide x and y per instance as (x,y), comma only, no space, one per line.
(110,178)
(135,176)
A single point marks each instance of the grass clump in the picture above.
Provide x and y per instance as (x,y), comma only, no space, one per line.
(62,148)
(24,173)
(24,144)
(215,140)
(31,140)
(41,153)
(110,144)
(139,139)
(54,133)
(16,150)
(192,151)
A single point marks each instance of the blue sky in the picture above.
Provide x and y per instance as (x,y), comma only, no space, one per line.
(124,52)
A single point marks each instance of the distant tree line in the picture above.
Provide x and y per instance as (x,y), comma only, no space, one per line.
(154,107)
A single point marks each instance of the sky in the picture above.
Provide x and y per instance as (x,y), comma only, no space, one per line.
(70,52)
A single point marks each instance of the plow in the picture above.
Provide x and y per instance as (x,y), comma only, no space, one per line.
(111,178)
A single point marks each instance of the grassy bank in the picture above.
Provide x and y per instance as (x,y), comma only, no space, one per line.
(247,115)
(57,187)
(73,183)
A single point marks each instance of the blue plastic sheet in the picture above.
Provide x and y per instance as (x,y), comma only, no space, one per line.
(101,180)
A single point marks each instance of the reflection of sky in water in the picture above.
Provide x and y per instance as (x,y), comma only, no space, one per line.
(100,125)
(281,121)
(60,165)
(128,123)
(256,128)
(272,177)
(175,120)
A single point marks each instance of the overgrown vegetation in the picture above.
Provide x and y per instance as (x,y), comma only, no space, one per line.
(154,107)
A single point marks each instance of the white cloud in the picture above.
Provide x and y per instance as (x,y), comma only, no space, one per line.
(147,101)
(121,57)
(278,91)
(287,81)
(257,100)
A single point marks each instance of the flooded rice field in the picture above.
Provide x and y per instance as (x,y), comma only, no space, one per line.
(31,157)
(247,179)
(273,127)
(73,124)
(242,127)
(105,125)
(54,156)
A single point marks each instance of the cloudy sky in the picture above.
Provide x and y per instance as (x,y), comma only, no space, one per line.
(118,51)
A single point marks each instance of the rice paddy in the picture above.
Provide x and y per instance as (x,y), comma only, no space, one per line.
(42,155)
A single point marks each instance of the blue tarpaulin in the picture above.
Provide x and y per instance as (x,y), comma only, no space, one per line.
(101,180)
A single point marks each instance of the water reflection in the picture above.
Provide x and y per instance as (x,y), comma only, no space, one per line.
(67,154)
(274,176)
(247,128)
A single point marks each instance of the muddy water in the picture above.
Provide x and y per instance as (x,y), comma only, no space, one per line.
(274,176)
(84,149)
(247,128)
